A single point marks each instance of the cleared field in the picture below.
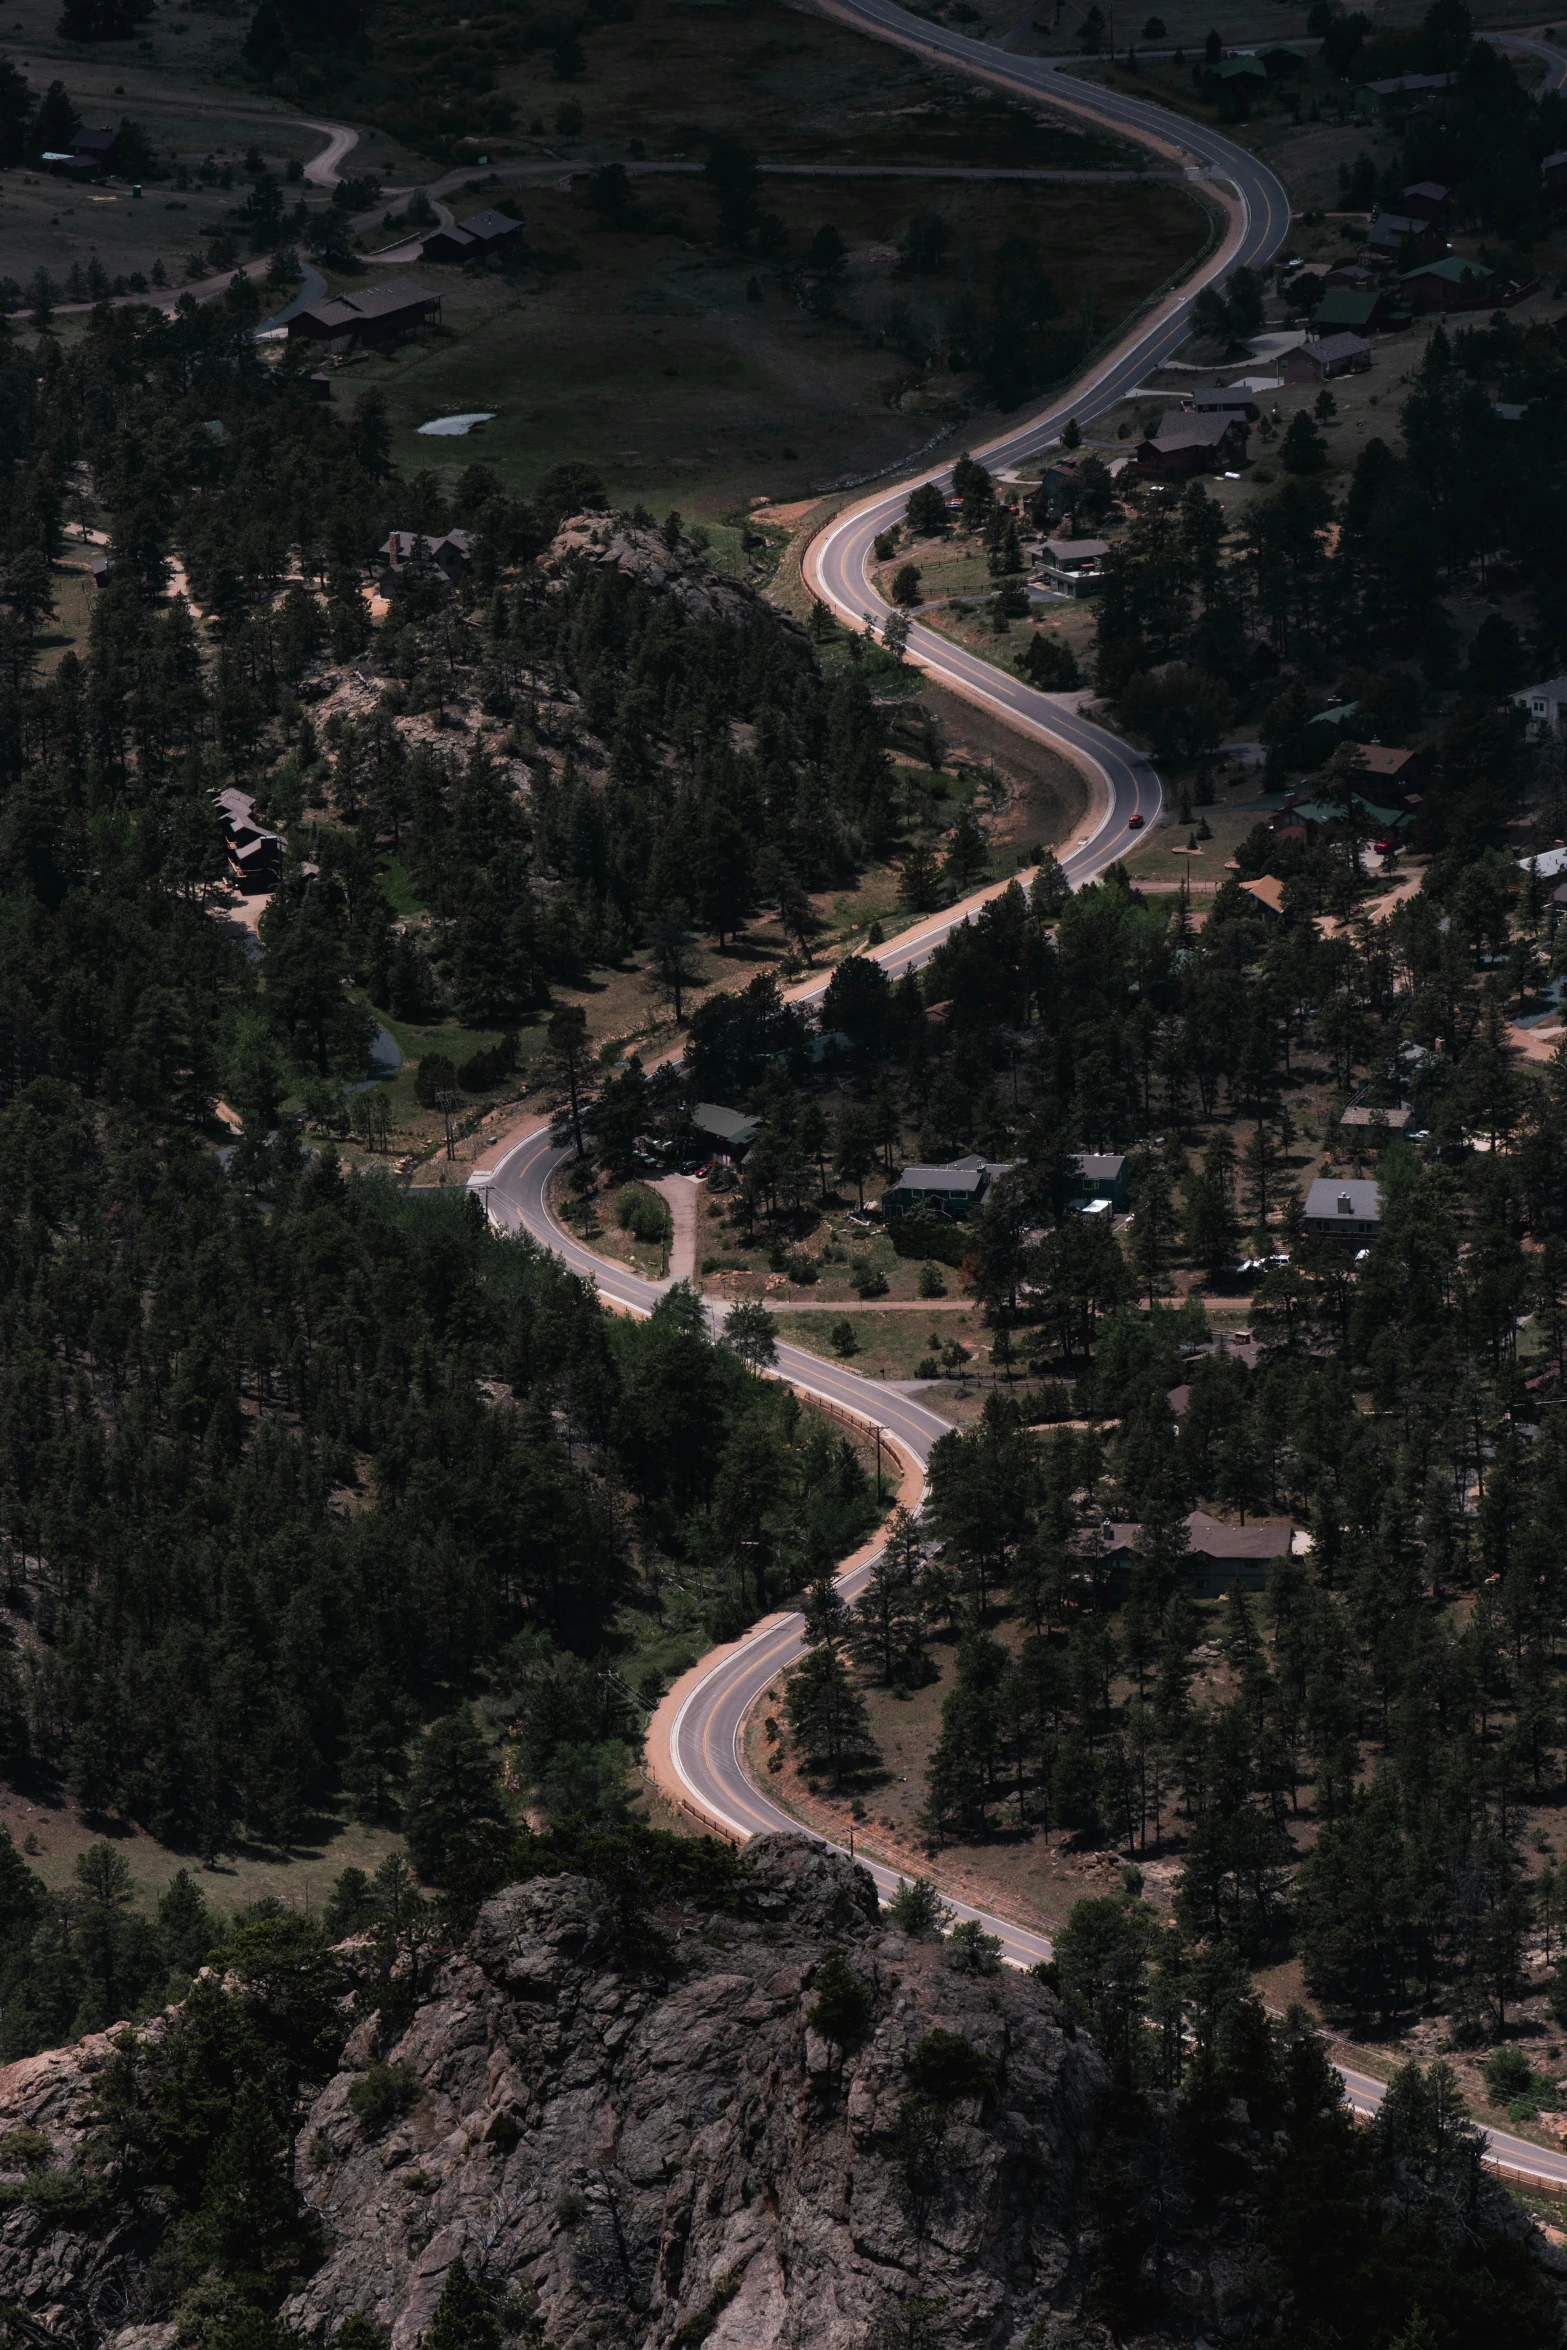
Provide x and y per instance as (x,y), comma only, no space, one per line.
(300,1878)
(653,359)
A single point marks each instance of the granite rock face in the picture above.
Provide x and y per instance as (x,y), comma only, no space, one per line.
(638,2140)
(681,572)
(648,2157)
(79,2283)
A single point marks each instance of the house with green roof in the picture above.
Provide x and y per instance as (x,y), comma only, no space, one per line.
(1283,60)
(1449,284)
(1356,310)
(1234,69)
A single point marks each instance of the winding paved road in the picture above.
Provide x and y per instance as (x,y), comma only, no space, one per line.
(706,1731)
(839,563)
(706,1735)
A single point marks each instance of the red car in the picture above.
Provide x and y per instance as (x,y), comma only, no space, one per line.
(1134,824)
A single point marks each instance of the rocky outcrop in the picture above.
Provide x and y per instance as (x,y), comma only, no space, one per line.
(632,2134)
(642,553)
(658,2154)
(75,2275)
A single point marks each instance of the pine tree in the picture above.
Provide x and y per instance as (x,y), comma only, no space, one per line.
(827,1713)
(463,2318)
(454,1797)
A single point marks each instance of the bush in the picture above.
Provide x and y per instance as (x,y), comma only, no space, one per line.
(931,1284)
(25,2149)
(490,1065)
(382,2096)
(843,2003)
(945,2067)
(928,1236)
(1053,1401)
(642,1213)
(844,1341)
(1049,664)
(64,2197)
(1508,2075)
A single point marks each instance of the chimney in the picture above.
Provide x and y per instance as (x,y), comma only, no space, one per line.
(1345,1206)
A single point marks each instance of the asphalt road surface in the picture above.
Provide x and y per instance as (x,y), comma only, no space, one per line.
(706,1737)
(839,563)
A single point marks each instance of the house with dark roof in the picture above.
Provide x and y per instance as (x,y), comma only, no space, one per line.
(1219,1558)
(255,855)
(1397,239)
(1223,400)
(1322,357)
(732,1130)
(1073,567)
(1185,443)
(1427,200)
(1343,1209)
(1401,94)
(91,152)
(372,317)
(411,551)
(1284,61)
(1103,1178)
(937,1191)
(473,239)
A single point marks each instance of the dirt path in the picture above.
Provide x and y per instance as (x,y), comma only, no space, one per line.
(679,1191)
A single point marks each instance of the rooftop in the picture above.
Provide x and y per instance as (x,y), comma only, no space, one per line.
(489,223)
(731,1126)
(1384,758)
(955,1181)
(368,302)
(1452,266)
(1179,429)
(1358,1114)
(1353,1199)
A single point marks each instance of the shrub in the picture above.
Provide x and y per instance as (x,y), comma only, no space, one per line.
(1508,2075)
(64,2197)
(640,1211)
(844,1341)
(25,2149)
(843,2003)
(490,1065)
(928,1236)
(382,2096)
(946,2067)
(931,1284)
